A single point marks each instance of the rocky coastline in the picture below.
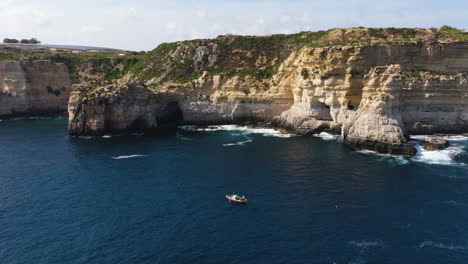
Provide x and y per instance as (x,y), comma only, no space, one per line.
(375,95)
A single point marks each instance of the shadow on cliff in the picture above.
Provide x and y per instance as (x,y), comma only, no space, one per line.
(168,120)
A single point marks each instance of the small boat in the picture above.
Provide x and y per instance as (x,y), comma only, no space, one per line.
(234,198)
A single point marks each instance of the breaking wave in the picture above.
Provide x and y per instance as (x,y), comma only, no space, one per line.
(440,157)
(327,136)
(399,160)
(463,137)
(442,246)
(107,136)
(267,132)
(129,156)
(188,128)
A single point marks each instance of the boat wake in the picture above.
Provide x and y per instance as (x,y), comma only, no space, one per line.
(179,136)
(240,143)
(442,246)
(367,244)
(454,203)
(129,157)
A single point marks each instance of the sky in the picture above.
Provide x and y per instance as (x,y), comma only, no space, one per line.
(143,24)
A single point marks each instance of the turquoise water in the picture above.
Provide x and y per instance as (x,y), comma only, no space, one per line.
(139,199)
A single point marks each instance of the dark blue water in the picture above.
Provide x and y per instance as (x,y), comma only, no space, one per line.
(67,200)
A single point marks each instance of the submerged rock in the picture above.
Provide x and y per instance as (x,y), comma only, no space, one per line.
(435,144)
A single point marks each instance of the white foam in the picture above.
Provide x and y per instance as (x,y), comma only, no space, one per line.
(85,137)
(440,157)
(462,137)
(400,160)
(107,136)
(327,136)
(366,244)
(267,132)
(129,156)
(442,246)
(240,143)
(188,128)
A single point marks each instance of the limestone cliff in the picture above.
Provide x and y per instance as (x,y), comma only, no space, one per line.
(37,80)
(378,95)
(374,93)
(130,108)
(32,88)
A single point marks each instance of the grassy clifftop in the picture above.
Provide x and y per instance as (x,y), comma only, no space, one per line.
(260,56)
(229,55)
(94,66)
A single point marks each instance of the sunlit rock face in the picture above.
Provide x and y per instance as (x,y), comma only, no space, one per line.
(374,96)
(379,95)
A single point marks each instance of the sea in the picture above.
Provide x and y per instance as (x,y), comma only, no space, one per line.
(138,199)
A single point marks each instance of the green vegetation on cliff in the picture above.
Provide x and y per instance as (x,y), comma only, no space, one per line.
(181,63)
(260,56)
(94,66)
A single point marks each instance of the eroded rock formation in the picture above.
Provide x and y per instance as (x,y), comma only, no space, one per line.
(375,96)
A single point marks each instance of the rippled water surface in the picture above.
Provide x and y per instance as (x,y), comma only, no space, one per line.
(137,199)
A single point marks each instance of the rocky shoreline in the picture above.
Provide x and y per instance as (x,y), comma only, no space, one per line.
(374,94)
(372,107)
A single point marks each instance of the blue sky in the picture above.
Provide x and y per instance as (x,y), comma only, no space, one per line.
(143,24)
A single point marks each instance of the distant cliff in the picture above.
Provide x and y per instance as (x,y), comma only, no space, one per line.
(39,87)
(37,80)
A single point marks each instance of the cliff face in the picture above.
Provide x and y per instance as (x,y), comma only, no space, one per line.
(38,87)
(375,96)
(132,107)
(379,95)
